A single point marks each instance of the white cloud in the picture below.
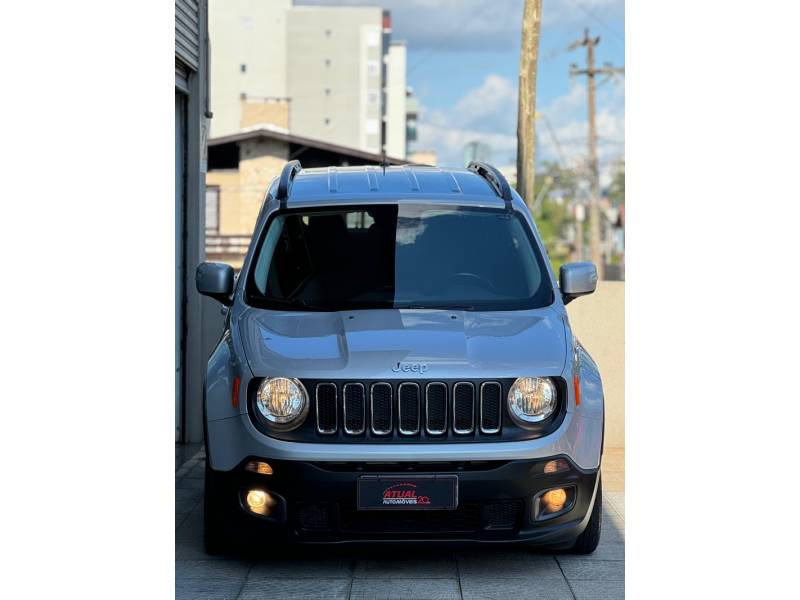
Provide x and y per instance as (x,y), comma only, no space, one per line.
(488,113)
(478,24)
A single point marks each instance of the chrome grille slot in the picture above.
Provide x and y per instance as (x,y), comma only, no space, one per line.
(380,395)
(408,401)
(326,408)
(491,406)
(436,408)
(354,408)
(463,407)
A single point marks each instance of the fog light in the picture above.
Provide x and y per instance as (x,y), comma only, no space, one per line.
(554,500)
(256,466)
(554,466)
(256,499)
(260,502)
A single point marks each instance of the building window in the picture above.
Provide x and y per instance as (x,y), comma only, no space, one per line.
(212,209)
(243,68)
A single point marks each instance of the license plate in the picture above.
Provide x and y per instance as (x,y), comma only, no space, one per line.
(419,492)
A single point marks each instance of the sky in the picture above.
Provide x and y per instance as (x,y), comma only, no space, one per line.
(463,61)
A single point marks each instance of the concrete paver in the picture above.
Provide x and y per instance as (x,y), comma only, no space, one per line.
(399,568)
(297,589)
(516,589)
(501,573)
(391,589)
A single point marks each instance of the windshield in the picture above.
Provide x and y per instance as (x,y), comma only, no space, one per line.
(398,256)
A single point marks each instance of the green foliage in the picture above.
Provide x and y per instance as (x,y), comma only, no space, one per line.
(616,190)
(552,217)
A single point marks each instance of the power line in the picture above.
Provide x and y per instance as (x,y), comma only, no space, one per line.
(599,21)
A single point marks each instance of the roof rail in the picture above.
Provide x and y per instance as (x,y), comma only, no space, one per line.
(495,179)
(291,169)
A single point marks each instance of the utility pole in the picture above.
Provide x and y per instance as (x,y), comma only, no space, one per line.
(528,56)
(594,175)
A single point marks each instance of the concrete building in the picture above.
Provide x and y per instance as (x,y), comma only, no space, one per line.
(191,128)
(248,56)
(396,94)
(334,67)
(241,166)
(335,74)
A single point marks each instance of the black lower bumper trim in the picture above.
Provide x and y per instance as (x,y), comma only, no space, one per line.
(495,505)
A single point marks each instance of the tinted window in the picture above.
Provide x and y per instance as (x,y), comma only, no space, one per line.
(398,256)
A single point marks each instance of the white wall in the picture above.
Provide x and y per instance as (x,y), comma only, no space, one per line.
(396,100)
(249,32)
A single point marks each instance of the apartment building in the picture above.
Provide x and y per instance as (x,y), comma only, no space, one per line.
(334,67)
(248,56)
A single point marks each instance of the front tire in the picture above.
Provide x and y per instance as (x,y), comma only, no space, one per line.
(216,527)
(588,540)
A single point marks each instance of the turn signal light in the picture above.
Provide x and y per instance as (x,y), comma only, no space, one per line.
(554,500)
(260,502)
(554,466)
(257,466)
(235,392)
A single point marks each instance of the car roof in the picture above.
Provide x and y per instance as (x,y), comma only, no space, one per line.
(376,184)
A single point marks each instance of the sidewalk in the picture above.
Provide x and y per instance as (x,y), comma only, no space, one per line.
(351,574)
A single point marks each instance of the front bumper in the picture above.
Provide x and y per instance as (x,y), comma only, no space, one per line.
(316,503)
(229,441)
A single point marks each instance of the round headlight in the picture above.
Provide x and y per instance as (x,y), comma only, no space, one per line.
(531,399)
(283,402)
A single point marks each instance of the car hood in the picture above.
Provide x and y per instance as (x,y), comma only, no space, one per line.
(391,343)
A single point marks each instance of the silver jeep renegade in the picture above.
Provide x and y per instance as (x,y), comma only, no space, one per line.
(397,365)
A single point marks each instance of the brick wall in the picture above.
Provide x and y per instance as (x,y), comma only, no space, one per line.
(269,111)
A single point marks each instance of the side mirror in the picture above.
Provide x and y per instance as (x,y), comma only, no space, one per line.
(215,280)
(577,279)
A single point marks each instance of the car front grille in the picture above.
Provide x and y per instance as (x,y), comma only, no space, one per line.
(436,408)
(354,408)
(406,408)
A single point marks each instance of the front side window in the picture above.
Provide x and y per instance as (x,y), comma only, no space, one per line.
(398,256)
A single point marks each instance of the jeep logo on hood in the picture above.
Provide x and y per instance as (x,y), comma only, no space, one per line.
(408,367)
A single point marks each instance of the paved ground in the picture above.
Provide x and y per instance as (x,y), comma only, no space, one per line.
(353,574)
